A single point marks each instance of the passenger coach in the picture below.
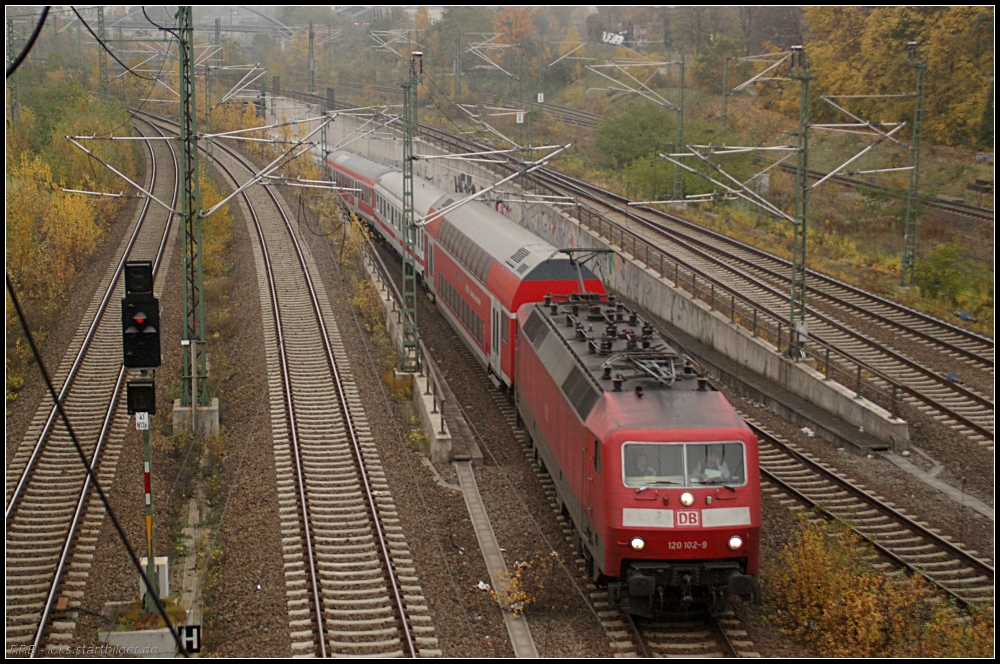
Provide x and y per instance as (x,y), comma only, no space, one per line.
(480,265)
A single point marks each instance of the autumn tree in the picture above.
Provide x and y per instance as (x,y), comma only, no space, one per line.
(514,24)
(421,22)
(862,50)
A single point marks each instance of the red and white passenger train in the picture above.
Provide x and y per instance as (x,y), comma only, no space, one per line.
(658,473)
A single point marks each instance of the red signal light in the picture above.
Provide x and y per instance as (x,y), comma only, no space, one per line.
(140,318)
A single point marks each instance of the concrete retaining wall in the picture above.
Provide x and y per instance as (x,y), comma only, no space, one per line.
(643,285)
(431,415)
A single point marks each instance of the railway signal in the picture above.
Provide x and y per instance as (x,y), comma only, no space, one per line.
(140,318)
(141,396)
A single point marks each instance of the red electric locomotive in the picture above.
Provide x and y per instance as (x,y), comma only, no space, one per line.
(657,471)
(480,265)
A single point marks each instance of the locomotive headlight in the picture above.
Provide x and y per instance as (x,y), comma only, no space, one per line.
(637,543)
(687,499)
(735,542)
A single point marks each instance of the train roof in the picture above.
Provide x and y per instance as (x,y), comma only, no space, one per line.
(518,249)
(425,195)
(360,165)
(618,373)
(505,241)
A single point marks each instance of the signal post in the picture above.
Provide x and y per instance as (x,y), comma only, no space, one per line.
(141,355)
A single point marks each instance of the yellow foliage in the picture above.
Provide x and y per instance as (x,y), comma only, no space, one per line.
(525,585)
(513,24)
(215,229)
(49,233)
(826,595)
(861,50)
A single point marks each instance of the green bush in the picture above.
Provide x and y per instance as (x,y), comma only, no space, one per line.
(946,273)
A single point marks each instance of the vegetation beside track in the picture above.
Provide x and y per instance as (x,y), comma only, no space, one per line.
(51,234)
(826,594)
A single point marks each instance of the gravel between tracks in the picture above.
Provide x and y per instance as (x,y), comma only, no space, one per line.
(243,619)
(444,547)
(113,578)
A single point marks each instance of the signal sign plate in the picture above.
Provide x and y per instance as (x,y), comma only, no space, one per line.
(141,421)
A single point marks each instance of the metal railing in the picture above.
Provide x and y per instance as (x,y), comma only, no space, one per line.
(835,365)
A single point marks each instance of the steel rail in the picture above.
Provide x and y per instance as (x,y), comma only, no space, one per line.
(352,430)
(584,187)
(752,280)
(81,354)
(293,424)
(345,408)
(863,495)
(813,275)
(290,407)
(43,621)
(893,355)
(49,602)
(102,437)
(866,498)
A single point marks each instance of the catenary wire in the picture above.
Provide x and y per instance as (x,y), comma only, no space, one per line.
(31,42)
(83,458)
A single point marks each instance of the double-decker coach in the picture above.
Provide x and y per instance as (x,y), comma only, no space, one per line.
(480,265)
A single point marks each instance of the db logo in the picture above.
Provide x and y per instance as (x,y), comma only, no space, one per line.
(688,517)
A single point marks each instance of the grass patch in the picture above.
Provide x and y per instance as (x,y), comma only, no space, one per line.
(131,617)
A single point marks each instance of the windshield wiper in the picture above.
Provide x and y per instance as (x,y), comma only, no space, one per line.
(717,482)
(656,483)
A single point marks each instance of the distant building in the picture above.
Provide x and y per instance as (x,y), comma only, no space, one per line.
(434,13)
(359,15)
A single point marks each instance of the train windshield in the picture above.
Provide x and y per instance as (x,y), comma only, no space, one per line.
(683,464)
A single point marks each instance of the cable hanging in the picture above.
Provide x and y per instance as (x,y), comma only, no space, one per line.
(83,458)
(31,42)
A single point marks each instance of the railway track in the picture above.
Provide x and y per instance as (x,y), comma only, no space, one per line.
(691,635)
(582,118)
(836,313)
(52,519)
(351,585)
(839,313)
(903,540)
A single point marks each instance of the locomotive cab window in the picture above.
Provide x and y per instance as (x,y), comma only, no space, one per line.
(683,464)
(715,463)
(654,464)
